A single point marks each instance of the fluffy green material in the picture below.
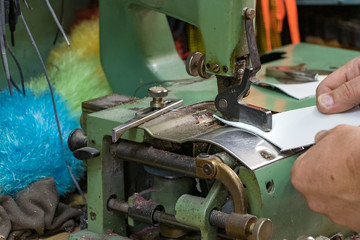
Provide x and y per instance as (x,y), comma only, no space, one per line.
(75,71)
(76,80)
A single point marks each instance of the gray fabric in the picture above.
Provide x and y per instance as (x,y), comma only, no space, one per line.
(35,211)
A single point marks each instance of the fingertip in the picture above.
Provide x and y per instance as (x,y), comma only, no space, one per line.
(326,101)
(320,135)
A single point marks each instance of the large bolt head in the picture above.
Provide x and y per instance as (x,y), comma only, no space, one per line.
(157,92)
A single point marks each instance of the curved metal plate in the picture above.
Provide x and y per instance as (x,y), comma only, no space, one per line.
(251,150)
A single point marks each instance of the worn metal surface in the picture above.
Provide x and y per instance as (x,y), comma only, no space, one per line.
(250,150)
(147,115)
(197,119)
(211,167)
(154,157)
(109,101)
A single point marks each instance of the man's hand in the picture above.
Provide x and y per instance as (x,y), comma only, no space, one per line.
(328,175)
(340,91)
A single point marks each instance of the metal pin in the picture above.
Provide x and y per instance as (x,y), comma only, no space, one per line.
(19,69)
(54,105)
(2,45)
(27,4)
(57,22)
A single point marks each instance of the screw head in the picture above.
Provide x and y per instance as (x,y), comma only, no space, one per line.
(157,92)
(241,71)
(267,154)
(208,169)
(204,155)
(216,68)
(223,104)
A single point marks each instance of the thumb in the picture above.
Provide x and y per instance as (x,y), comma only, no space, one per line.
(342,98)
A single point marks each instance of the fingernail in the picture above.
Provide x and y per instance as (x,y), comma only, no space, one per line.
(326,100)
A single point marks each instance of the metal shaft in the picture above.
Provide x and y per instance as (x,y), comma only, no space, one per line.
(158,216)
(140,153)
(217,218)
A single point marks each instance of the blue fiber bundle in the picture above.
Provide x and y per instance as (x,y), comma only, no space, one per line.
(30,147)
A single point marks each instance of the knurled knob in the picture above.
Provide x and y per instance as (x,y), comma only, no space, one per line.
(157,92)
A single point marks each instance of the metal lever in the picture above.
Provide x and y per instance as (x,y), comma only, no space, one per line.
(86,153)
(230,102)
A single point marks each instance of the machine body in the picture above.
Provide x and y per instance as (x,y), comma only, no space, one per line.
(179,173)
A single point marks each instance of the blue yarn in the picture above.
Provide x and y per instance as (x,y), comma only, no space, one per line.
(30,147)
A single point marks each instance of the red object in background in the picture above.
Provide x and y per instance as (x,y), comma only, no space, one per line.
(88,13)
(181,48)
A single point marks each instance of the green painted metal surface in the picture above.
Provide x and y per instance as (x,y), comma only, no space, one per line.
(167,191)
(261,203)
(195,211)
(105,174)
(270,194)
(147,53)
(315,57)
(283,205)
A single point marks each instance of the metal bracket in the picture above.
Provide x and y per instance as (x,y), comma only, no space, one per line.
(230,102)
(144,116)
(211,167)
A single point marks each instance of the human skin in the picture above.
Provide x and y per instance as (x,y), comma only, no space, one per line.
(326,174)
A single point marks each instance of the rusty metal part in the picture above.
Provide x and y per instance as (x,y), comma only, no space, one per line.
(169,219)
(243,226)
(157,213)
(236,225)
(140,153)
(144,116)
(197,119)
(157,93)
(118,205)
(144,210)
(210,167)
(251,41)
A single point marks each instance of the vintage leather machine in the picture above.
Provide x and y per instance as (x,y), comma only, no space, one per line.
(162,166)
